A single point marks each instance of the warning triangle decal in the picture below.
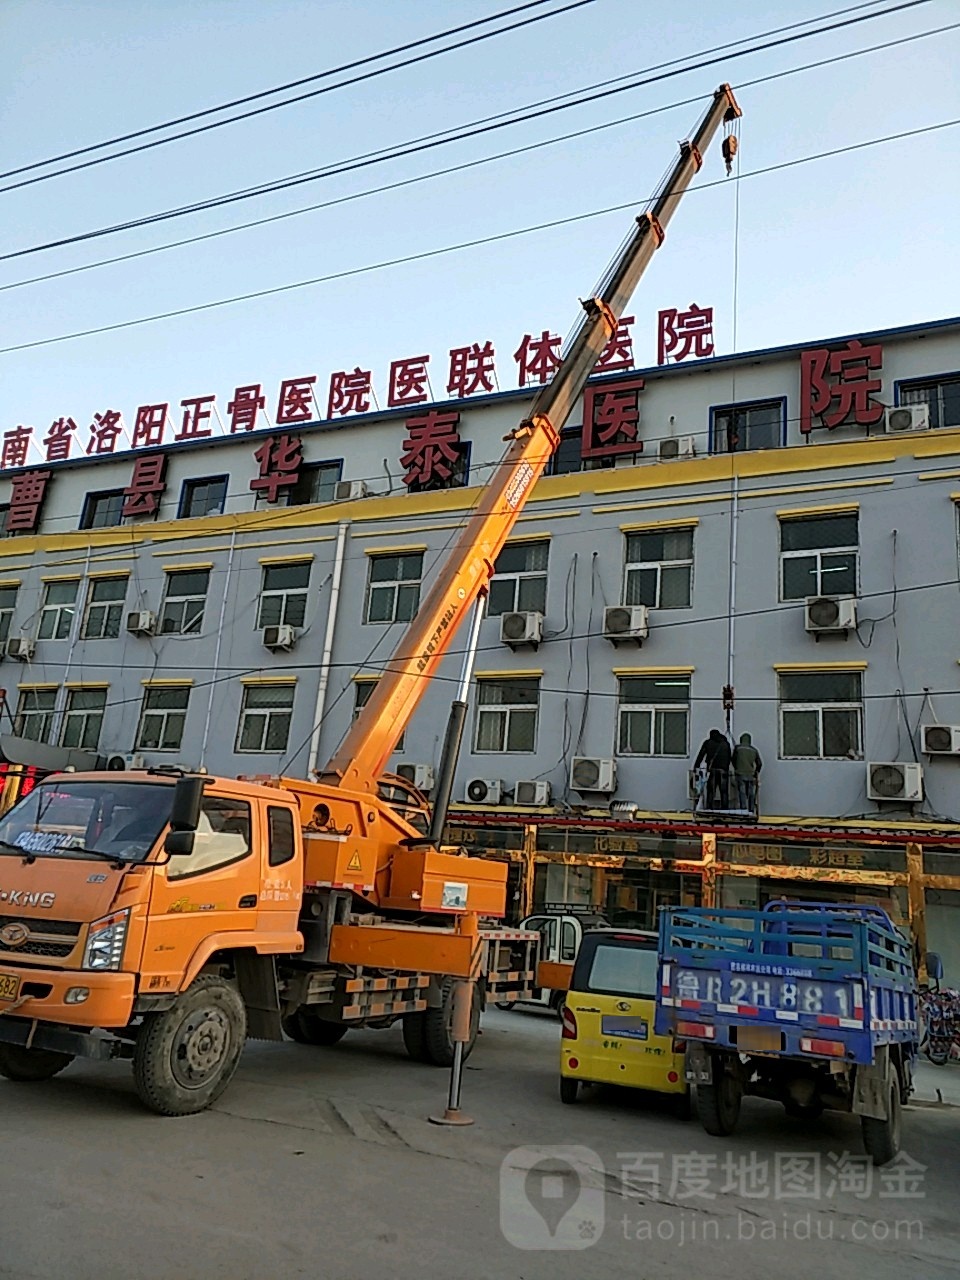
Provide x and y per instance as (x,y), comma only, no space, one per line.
(354,863)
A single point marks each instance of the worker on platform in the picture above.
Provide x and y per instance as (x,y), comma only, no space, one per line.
(715,754)
(746,768)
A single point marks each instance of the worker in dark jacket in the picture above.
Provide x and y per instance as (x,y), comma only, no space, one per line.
(746,767)
(715,754)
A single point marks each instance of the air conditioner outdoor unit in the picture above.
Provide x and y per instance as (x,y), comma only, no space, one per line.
(484,791)
(22,647)
(824,614)
(533,793)
(524,628)
(894,781)
(347,490)
(677,447)
(587,773)
(143,622)
(280,639)
(420,775)
(130,760)
(940,739)
(625,622)
(907,417)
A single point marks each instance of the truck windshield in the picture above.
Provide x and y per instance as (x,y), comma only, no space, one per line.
(61,818)
(616,967)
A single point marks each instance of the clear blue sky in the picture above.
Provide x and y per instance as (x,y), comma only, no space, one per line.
(847,244)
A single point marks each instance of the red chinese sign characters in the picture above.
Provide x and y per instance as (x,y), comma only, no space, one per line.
(27,493)
(245,405)
(684,333)
(196,412)
(836,386)
(432,450)
(471,369)
(349,392)
(296,400)
(538,358)
(58,439)
(618,353)
(280,459)
(408,381)
(105,430)
(148,425)
(611,419)
(16,444)
(147,485)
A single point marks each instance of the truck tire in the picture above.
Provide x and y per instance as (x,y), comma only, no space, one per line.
(881,1138)
(414,1036)
(569,1090)
(27,1066)
(306,1028)
(438,1027)
(186,1056)
(718,1104)
(506,1005)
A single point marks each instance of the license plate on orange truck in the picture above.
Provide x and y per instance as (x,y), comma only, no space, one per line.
(9,986)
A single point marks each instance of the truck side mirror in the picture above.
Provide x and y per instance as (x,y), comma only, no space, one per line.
(187,797)
(934,966)
(179,844)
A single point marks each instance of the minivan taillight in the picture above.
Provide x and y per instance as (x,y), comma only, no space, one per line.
(569,1025)
(679,1046)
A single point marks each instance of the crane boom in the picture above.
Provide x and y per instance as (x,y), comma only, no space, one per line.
(368,744)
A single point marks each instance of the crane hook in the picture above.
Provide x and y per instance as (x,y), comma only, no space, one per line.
(729,148)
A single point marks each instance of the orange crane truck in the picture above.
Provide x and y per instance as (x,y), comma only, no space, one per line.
(164,918)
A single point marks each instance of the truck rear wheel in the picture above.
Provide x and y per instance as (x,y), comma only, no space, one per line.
(881,1138)
(718,1104)
(414,1036)
(29,1065)
(428,1036)
(306,1028)
(186,1056)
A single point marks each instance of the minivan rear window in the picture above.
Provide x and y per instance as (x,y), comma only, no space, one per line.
(616,968)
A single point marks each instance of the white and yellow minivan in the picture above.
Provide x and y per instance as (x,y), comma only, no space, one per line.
(608,1035)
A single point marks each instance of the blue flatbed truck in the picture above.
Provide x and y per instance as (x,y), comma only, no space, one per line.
(811,1005)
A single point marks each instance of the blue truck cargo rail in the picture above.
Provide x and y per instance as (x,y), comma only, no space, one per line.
(820,980)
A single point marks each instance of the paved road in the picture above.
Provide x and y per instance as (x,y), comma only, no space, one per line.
(321,1163)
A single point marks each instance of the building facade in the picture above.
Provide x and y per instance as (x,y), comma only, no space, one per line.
(780,524)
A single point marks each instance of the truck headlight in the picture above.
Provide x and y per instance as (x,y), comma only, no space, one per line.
(105,939)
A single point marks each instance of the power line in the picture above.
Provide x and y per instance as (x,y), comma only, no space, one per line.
(432,141)
(465,165)
(462,245)
(369,75)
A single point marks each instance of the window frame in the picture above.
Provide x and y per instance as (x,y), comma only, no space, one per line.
(171,867)
(87,515)
(71,713)
(197,622)
(268,714)
(520,576)
(656,711)
(391,584)
(165,713)
(314,469)
(913,384)
(638,566)
(23,712)
(817,553)
(508,711)
(58,610)
(7,611)
(191,486)
(819,708)
(284,594)
(108,607)
(719,445)
(274,812)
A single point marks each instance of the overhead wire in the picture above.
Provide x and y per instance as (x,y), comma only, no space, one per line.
(403,150)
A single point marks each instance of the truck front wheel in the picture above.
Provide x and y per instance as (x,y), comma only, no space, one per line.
(306,1028)
(29,1065)
(881,1138)
(428,1036)
(718,1104)
(186,1056)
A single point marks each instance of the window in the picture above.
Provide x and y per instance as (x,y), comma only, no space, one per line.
(459,470)
(83,718)
(8,602)
(59,605)
(282,845)
(100,510)
(520,579)
(941,394)
(317,482)
(652,715)
(821,715)
(265,715)
(659,569)
(203,497)
(738,427)
(567,457)
(393,592)
(4,515)
(222,837)
(818,556)
(34,717)
(507,714)
(104,609)
(183,606)
(362,690)
(616,966)
(283,596)
(162,717)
